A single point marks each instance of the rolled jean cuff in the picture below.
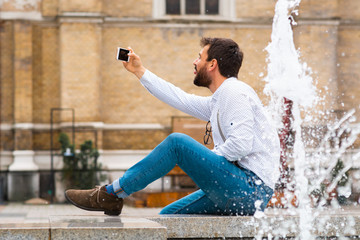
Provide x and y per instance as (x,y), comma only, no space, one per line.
(118,190)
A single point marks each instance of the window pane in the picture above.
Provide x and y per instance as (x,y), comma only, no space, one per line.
(212,7)
(192,7)
(173,7)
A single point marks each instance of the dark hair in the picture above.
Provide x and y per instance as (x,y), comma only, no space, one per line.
(227,53)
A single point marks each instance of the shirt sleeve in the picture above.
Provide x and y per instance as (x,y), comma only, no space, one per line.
(191,104)
(236,120)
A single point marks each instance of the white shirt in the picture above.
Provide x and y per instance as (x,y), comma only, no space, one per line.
(250,138)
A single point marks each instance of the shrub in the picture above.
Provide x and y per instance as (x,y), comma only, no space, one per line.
(80,170)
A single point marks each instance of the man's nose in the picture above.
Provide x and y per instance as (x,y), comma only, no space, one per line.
(195,61)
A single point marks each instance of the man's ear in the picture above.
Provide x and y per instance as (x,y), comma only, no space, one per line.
(213,64)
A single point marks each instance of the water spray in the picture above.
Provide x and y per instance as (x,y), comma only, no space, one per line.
(293,93)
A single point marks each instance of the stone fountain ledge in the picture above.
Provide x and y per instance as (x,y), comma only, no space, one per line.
(251,227)
(345,223)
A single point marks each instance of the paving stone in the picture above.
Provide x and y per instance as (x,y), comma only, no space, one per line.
(28,231)
(105,227)
(69,222)
(286,226)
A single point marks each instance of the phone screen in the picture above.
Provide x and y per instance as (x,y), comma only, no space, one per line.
(123,54)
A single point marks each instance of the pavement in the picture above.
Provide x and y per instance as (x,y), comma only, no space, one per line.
(54,221)
(34,213)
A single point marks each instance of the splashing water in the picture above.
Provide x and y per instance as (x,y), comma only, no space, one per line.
(289,78)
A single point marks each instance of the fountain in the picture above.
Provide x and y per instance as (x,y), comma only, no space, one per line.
(292,90)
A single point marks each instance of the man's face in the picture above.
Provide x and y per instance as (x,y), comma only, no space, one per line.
(202,78)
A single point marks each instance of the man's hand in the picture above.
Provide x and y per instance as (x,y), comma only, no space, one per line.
(134,65)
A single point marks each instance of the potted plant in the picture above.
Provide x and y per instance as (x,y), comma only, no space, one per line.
(80,170)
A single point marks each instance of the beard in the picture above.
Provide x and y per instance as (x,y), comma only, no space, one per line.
(202,78)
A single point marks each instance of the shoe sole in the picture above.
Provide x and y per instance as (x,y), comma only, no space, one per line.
(107,212)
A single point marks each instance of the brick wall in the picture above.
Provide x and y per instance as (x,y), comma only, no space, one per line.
(67,60)
(7,73)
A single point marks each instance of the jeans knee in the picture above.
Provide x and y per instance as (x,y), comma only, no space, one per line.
(175,137)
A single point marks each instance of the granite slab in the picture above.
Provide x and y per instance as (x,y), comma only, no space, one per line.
(73,224)
(24,231)
(283,226)
(105,227)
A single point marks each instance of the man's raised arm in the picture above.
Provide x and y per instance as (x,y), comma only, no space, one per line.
(196,106)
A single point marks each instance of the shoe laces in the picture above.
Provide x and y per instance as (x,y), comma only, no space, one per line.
(96,191)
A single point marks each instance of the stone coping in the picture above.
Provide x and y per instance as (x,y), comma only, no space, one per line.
(182,226)
(251,227)
(85,227)
(105,227)
(25,231)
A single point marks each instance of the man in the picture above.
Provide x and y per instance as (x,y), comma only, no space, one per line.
(238,176)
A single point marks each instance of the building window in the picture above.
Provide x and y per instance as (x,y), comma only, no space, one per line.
(173,7)
(197,9)
(212,7)
(192,7)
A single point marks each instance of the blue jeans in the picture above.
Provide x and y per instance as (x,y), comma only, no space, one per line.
(225,189)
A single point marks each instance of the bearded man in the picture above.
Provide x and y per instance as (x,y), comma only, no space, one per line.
(238,176)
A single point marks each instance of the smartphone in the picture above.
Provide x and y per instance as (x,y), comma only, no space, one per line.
(122,54)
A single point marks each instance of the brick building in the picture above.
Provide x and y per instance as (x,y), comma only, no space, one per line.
(61,54)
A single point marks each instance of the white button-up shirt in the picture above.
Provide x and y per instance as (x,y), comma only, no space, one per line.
(249,137)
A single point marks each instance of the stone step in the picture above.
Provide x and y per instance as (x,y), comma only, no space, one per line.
(29,231)
(246,227)
(326,225)
(85,227)
(104,227)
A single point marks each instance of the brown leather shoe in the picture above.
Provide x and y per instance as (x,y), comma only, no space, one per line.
(96,199)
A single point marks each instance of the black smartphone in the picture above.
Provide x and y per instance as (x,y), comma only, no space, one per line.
(122,54)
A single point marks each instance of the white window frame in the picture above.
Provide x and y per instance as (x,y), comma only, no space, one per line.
(226,11)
